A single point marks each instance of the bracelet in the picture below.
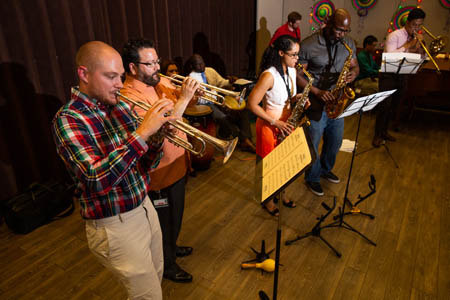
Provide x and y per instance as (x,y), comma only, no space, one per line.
(273,122)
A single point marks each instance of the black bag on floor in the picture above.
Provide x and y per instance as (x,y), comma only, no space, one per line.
(39,205)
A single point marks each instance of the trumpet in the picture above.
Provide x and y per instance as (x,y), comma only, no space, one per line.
(212,93)
(226,147)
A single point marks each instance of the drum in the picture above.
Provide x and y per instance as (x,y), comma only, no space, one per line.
(232,104)
(200,117)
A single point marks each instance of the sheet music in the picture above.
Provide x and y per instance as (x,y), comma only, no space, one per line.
(370,102)
(401,62)
(284,162)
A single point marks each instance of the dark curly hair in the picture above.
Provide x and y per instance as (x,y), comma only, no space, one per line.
(130,52)
(416,13)
(271,58)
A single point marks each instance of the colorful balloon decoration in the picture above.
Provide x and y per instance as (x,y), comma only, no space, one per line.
(400,17)
(363,6)
(322,10)
(445,3)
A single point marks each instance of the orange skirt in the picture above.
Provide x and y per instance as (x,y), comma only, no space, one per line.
(266,137)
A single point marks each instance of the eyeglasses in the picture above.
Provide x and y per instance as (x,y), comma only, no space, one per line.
(291,54)
(150,64)
(342,30)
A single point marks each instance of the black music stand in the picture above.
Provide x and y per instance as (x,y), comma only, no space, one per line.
(386,148)
(357,106)
(397,63)
(317,229)
(287,161)
(401,63)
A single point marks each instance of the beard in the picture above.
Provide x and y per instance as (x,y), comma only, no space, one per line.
(150,79)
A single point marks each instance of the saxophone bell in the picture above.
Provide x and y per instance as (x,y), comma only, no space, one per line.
(344,95)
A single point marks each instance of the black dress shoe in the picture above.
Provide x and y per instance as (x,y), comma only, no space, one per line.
(183,251)
(389,137)
(179,275)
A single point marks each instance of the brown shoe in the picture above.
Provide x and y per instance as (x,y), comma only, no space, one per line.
(377,141)
(389,137)
(247,145)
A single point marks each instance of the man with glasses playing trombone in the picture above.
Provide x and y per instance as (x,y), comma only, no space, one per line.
(404,39)
(167,188)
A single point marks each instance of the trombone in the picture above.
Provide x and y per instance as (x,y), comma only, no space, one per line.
(436,45)
(226,147)
(212,93)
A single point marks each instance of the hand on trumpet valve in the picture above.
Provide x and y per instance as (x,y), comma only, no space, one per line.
(188,89)
(198,94)
(155,117)
(167,129)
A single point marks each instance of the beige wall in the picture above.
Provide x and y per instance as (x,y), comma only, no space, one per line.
(269,14)
(375,23)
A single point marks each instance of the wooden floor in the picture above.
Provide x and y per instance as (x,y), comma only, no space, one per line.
(222,221)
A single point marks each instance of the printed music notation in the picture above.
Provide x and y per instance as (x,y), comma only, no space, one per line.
(284,162)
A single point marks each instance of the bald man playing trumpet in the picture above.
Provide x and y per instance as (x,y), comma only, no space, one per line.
(110,156)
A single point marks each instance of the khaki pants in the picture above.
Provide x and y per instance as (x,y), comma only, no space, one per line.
(130,246)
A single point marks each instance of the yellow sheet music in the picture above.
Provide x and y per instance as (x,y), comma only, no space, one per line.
(284,162)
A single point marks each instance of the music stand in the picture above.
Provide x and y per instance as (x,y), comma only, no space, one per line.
(359,106)
(401,63)
(397,63)
(317,229)
(276,172)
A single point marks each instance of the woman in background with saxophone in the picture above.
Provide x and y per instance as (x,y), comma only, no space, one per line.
(275,87)
(330,57)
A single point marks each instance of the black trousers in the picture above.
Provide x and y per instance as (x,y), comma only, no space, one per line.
(235,123)
(387,108)
(170,219)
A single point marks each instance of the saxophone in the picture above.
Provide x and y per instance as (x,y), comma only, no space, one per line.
(343,94)
(297,118)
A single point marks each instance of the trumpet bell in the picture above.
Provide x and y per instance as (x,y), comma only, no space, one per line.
(228,148)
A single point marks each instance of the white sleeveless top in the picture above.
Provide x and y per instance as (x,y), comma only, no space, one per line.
(276,97)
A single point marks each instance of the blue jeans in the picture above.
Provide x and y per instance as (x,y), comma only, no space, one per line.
(332,131)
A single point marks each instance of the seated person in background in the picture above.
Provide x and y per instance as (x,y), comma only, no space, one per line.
(237,123)
(169,68)
(367,80)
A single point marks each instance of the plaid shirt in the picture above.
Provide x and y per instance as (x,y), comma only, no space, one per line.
(104,155)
